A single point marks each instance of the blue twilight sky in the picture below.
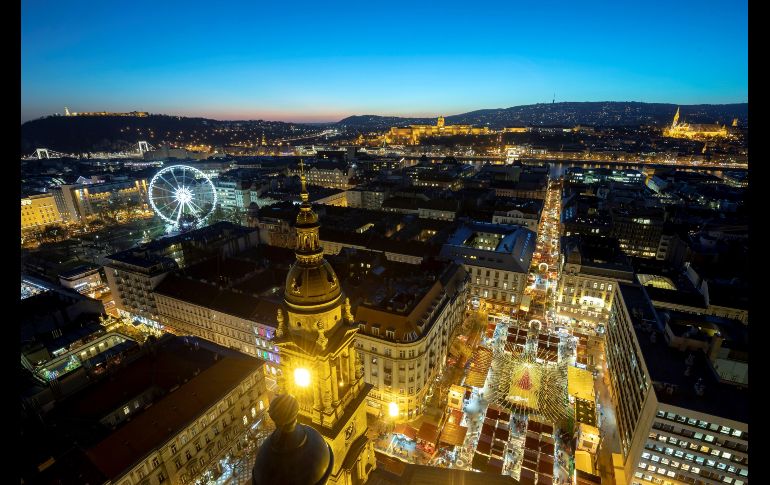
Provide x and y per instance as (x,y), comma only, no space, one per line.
(324,60)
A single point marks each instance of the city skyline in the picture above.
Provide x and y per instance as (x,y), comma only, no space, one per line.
(318,66)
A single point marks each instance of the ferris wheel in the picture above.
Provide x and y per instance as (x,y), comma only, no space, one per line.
(182,196)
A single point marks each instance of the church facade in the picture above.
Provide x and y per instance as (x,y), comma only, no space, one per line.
(319,361)
(694,131)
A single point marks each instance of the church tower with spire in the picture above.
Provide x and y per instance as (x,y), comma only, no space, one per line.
(319,361)
(676,118)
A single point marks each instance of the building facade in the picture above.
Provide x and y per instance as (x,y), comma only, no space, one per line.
(38,211)
(677,424)
(79,202)
(517,217)
(247,326)
(326,174)
(638,231)
(497,258)
(233,194)
(412,134)
(694,131)
(402,359)
(214,426)
(133,275)
(588,284)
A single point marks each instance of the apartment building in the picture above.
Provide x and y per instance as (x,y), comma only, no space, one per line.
(497,258)
(591,268)
(206,397)
(132,275)
(77,202)
(38,211)
(229,301)
(326,173)
(679,420)
(404,334)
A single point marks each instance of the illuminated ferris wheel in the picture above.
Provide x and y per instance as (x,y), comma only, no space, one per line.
(182,196)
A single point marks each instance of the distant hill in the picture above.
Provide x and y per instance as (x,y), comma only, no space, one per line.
(76,134)
(603,113)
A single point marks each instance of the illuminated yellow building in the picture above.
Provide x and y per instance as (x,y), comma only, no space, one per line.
(694,131)
(319,362)
(411,134)
(38,211)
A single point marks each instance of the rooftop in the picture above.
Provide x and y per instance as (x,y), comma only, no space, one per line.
(404,303)
(151,254)
(666,366)
(150,429)
(494,245)
(391,471)
(79,271)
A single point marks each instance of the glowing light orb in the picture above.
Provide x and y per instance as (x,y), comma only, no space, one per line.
(302,377)
(393,409)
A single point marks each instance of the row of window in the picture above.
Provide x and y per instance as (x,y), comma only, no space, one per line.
(703,424)
(701,437)
(485,294)
(700,460)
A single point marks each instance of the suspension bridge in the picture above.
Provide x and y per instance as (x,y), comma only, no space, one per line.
(136,150)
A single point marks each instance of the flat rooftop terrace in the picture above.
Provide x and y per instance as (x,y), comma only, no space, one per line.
(667,365)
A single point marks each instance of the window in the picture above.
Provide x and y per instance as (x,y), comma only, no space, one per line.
(126,410)
(155,462)
(188,455)
(161,477)
(173,448)
(178,463)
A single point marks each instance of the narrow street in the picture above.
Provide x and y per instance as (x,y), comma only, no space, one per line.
(544,269)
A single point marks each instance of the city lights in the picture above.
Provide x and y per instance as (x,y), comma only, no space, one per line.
(530,289)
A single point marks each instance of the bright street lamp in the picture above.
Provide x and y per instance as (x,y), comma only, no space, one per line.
(302,377)
(393,409)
